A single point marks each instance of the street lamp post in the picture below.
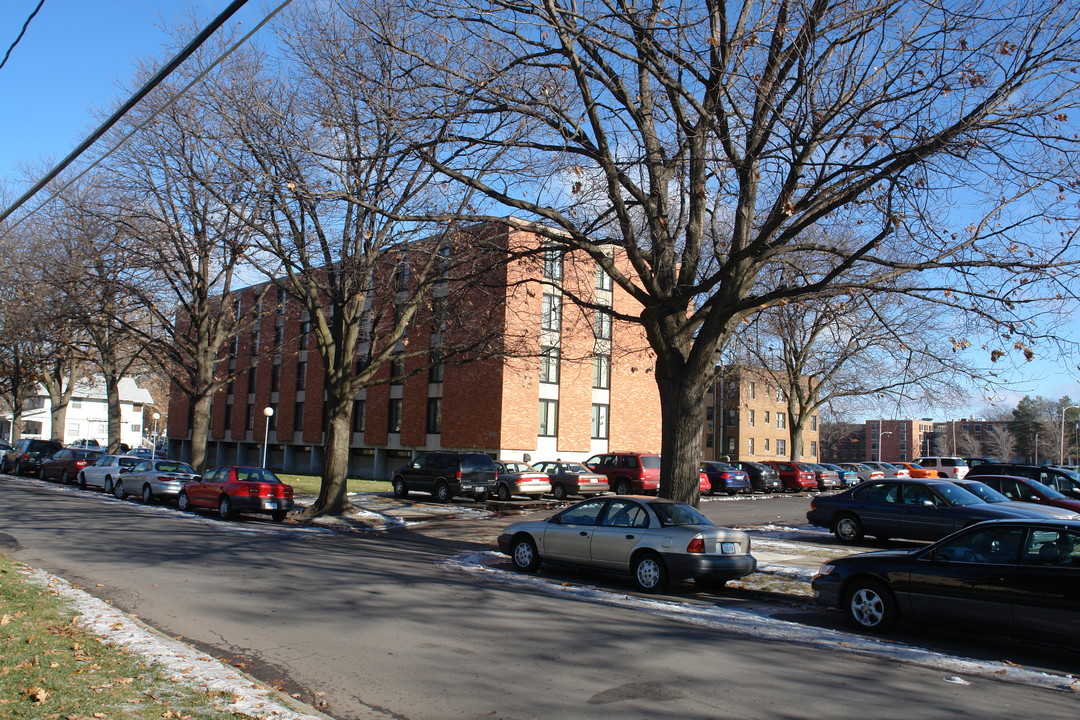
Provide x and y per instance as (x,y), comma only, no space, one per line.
(1036,448)
(269,413)
(879,434)
(1061,450)
(156,416)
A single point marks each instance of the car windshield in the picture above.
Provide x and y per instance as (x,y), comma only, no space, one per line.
(679,514)
(174,467)
(957,495)
(985,492)
(650,462)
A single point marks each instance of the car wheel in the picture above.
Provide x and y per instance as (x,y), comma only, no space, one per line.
(649,573)
(108,486)
(442,493)
(523,554)
(183,502)
(224,508)
(118,489)
(622,487)
(147,495)
(278,516)
(870,605)
(82,481)
(400,490)
(559,491)
(65,479)
(732,492)
(706,584)
(18,468)
(503,493)
(848,528)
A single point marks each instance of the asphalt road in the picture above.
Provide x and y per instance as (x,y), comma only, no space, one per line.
(381,631)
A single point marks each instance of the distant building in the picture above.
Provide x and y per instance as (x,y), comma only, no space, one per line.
(87,414)
(577,382)
(746,418)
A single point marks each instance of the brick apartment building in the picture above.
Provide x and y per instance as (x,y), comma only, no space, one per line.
(746,418)
(569,382)
(899,440)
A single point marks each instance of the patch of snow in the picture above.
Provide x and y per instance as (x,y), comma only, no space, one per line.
(187,665)
(751,623)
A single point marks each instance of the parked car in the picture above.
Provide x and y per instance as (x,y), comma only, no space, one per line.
(1027,490)
(154,479)
(918,471)
(85,443)
(1021,575)
(948,466)
(763,478)
(26,455)
(904,508)
(654,540)
(724,478)
(865,473)
(147,453)
(827,479)
(847,477)
(572,478)
(520,478)
(990,495)
(105,470)
(1062,479)
(629,472)
(446,474)
(974,461)
(890,470)
(233,489)
(795,476)
(66,464)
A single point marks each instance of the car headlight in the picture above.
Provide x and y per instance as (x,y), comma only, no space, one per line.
(825,569)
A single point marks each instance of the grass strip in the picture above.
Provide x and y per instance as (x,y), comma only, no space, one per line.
(51,668)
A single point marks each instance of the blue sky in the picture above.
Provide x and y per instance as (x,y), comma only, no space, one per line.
(76,54)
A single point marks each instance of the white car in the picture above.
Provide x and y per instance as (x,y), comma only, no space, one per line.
(949,466)
(106,470)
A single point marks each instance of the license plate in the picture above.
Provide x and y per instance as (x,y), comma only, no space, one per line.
(592,480)
(729,548)
(272,504)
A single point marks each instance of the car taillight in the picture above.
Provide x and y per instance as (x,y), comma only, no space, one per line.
(457,475)
(697,545)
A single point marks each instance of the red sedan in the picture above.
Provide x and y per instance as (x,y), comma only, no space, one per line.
(235,489)
(795,476)
(66,464)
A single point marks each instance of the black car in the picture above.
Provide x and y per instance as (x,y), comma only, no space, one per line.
(26,456)
(725,478)
(445,474)
(912,508)
(1013,574)
(1061,479)
(763,478)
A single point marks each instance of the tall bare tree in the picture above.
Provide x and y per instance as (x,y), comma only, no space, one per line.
(706,140)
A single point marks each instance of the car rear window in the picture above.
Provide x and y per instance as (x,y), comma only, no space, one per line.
(679,514)
(650,462)
(176,467)
(476,461)
(128,461)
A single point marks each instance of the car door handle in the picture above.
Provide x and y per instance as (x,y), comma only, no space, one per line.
(584,533)
(631,537)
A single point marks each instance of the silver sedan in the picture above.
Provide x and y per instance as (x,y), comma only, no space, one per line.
(154,479)
(654,540)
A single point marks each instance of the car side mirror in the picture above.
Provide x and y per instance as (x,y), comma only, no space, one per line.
(415,466)
(929,503)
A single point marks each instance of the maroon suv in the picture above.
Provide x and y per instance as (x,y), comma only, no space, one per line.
(629,473)
(795,476)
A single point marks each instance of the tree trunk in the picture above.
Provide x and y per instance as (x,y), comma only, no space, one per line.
(112,394)
(332,498)
(682,408)
(200,430)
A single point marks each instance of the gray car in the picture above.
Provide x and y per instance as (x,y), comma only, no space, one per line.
(653,540)
(154,479)
(520,478)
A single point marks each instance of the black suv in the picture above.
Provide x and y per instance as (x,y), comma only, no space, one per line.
(27,455)
(1064,481)
(445,474)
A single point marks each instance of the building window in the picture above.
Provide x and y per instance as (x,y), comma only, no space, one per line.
(255,335)
(731,445)
(31,427)
(438,315)
(435,369)
(750,418)
(401,274)
(553,258)
(603,280)
(781,447)
(813,448)
(551,314)
(813,422)
(271,421)
(549,418)
(228,416)
(765,446)
(781,421)
(251,380)
(434,415)
(279,336)
(599,422)
(393,423)
(766,417)
(708,440)
(779,394)
(275,377)
(730,418)
(752,390)
(602,325)
(281,299)
(359,410)
(397,369)
(298,415)
(549,364)
(305,331)
(750,446)
(601,375)
(249,417)
(301,375)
